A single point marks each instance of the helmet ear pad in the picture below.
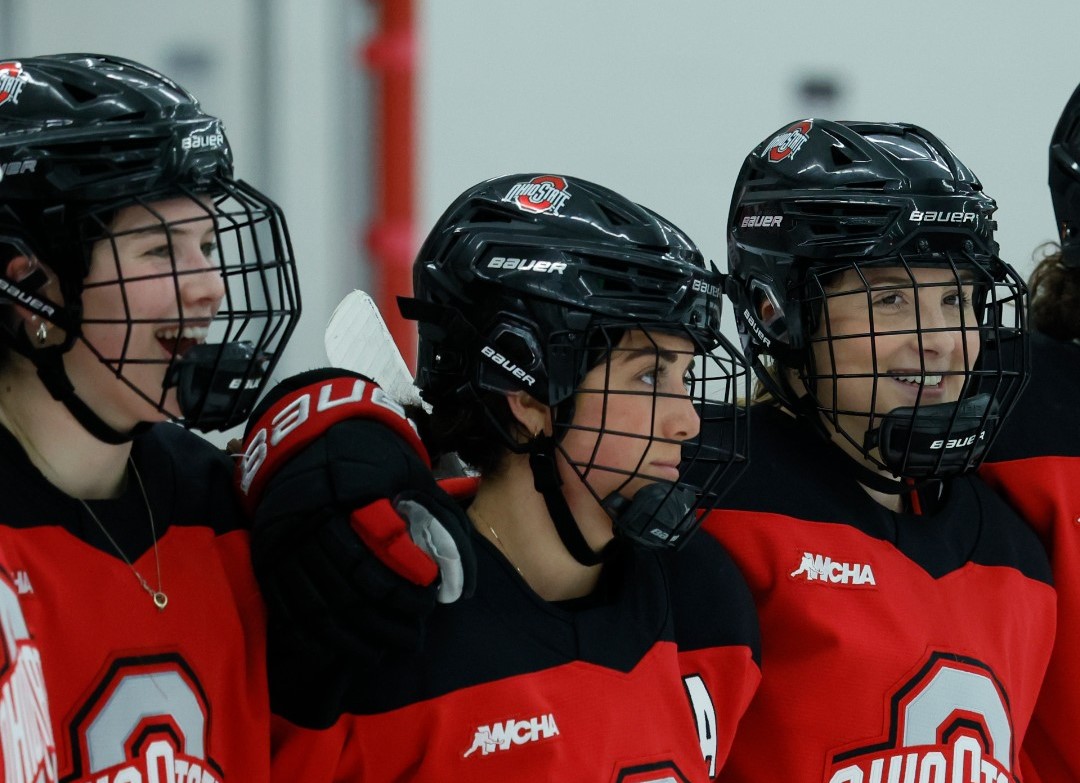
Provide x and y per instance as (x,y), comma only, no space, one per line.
(770,320)
(511,357)
(38,296)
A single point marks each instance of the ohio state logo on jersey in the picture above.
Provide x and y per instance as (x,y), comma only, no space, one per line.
(27,748)
(12,81)
(787,144)
(539,195)
(147,720)
(950,722)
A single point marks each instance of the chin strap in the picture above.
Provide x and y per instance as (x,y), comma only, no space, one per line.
(49,360)
(910,489)
(50,368)
(547,482)
(658,516)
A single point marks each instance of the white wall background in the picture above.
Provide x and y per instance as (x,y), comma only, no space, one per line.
(659,100)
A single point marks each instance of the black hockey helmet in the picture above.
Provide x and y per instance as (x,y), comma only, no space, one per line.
(526,282)
(1065,180)
(819,198)
(84,136)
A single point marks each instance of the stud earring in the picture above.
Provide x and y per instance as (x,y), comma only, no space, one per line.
(42,333)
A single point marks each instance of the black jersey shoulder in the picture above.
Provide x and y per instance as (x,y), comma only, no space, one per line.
(711,601)
(187,482)
(30,500)
(504,630)
(1046,419)
(794,473)
(1005,538)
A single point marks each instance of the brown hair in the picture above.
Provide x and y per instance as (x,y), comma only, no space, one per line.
(465,427)
(1055,295)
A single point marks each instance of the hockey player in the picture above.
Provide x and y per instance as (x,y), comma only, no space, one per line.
(565,335)
(906,611)
(1036,461)
(141,284)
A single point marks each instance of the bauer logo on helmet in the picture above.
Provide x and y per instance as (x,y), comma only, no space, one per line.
(930,216)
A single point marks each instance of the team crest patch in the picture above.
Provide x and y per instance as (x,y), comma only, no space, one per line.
(12,81)
(787,144)
(950,722)
(544,194)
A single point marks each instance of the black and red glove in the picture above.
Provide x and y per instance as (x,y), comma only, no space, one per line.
(353,542)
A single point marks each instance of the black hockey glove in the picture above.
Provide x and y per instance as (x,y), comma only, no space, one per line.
(353,542)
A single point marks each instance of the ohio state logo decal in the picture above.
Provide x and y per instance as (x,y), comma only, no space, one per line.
(539,195)
(27,747)
(950,722)
(787,144)
(12,80)
(148,720)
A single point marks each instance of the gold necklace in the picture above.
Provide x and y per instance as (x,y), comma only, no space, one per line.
(498,541)
(158,596)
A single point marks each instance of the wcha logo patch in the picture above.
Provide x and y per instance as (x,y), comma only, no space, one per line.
(822,568)
(504,735)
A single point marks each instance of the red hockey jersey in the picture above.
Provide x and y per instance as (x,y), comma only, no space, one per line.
(138,694)
(895,647)
(643,681)
(1035,463)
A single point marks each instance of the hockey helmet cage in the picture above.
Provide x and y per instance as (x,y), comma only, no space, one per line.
(82,136)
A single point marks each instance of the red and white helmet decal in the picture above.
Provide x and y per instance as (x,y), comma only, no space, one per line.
(542,194)
(787,144)
(12,80)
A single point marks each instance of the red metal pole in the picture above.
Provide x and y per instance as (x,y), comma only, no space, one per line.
(390,55)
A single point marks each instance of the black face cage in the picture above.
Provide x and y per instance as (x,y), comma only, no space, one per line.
(647,507)
(220,367)
(955,403)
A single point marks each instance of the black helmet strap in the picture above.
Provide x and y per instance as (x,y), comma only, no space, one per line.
(49,360)
(547,482)
(50,368)
(807,414)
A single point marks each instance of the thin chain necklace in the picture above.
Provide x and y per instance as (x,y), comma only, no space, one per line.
(158,596)
(498,540)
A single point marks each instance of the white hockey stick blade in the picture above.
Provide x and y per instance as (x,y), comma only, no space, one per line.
(357,339)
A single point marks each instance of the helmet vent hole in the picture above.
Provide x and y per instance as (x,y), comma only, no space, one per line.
(78,94)
(840,156)
(615,217)
(877,185)
(487,215)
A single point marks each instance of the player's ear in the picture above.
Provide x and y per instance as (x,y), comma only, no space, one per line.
(532,416)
